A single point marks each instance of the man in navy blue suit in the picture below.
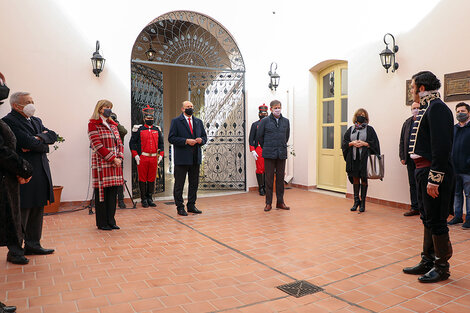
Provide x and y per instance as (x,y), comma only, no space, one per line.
(187,135)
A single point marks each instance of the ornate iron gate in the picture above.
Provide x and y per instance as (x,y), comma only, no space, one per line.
(219,100)
(146,88)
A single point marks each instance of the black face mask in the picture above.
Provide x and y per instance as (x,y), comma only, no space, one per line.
(149,122)
(189,111)
(261,116)
(360,119)
(4,92)
(107,113)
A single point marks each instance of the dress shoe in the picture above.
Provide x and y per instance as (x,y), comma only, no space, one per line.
(182,212)
(195,210)
(105,228)
(411,212)
(17,259)
(37,250)
(267,208)
(145,204)
(466,225)
(115,227)
(121,204)
(422,268)
(7,308)
(151,203)
(455,220)
(282,206)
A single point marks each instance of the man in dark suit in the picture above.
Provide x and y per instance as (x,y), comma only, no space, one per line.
(273,134)
(187,135)
(406,160)
(33,141)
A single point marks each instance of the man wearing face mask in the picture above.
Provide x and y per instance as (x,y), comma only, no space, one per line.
(256,150)
(406,160)
(147,150)
(187,135)
(461,161)
(273,135)
(33,140)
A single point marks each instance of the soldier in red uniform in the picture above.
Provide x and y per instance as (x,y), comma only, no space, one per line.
(147,149)
(256,150)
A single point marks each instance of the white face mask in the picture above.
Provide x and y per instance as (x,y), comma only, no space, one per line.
(29,109)
(414,112)
(277,112)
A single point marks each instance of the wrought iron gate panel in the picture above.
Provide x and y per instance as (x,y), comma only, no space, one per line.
(219,101)
(146,89)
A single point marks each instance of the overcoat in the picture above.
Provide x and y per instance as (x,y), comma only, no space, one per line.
(179,132)
(374,148)
(106,145)
(39,190)
(11,166)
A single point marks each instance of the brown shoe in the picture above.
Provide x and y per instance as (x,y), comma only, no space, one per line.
(282,206)
(267,208)
(411,212)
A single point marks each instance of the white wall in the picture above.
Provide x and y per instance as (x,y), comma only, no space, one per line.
(47,45)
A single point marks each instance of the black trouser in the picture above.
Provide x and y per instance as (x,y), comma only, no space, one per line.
(410,166)
(434,211)
(271,166)
(106,210)
(13,242)
(31,222)
(193,180)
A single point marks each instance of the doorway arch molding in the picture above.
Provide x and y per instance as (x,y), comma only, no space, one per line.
(189,38)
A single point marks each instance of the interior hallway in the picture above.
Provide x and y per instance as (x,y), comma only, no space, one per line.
(232,257)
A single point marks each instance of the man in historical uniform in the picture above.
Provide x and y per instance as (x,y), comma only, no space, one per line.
(147,149)
(430,148)
(33,140)
(257,151)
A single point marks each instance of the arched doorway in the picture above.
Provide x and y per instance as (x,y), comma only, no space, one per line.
(196,58)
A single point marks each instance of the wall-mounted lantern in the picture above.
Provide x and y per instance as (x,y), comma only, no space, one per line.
(150,53)
(97,61)
(387,56)
(273,76)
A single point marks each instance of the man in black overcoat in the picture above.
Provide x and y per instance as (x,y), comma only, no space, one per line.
(187,135)
(430,148)
(33,140)
(13,171)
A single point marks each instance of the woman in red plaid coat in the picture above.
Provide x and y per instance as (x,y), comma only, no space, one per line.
(107,156)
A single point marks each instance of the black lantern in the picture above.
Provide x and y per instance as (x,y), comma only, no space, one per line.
(387,56)
(150,53)
(274,77)
(97,61)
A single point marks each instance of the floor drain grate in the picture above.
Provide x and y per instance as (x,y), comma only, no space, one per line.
(169,203)
(299,288)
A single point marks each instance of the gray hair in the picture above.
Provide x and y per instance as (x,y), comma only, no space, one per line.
(15,98)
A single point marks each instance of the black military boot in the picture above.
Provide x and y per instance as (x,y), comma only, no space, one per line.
(440,271)
(427,256)
(362,207)
(357,201)
(6,308)
(143,193)
(259,178)
(150,189)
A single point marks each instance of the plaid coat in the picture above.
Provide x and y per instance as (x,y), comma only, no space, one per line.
(106,145)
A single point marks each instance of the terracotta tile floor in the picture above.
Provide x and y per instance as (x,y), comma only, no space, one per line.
(231,258)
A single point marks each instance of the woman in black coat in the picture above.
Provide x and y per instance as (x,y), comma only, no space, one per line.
(359,141)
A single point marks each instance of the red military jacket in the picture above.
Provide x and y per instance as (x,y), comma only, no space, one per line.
(147,139)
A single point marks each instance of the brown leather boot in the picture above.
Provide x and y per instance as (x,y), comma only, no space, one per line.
(440,271)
